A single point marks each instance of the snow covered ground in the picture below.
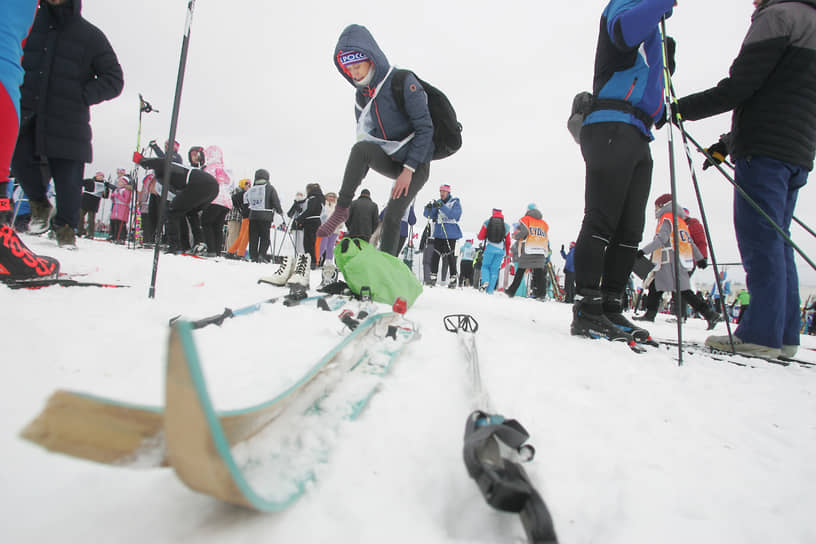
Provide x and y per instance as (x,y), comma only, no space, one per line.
(631,448)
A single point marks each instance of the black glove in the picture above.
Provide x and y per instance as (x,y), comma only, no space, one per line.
(437,204)
(640,253)
(429,206)
(562,248)
(671,47)
(717,152)
(670,114)
(702,264)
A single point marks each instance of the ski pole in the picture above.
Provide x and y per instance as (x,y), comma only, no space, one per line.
(673,181)
(185,43)
(753,203)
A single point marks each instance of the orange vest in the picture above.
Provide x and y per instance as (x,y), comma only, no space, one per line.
(537,241)
(663,255)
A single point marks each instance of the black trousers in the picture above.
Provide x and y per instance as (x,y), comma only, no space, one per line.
(200,190)
(258,238)
(446,249)
(538,280)
(618,180)
(569,286)
(310,227)
(212,224)
(466,273)
(368,155)
(34,172)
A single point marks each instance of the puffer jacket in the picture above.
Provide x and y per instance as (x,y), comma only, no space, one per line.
(771,86)
(69,66)
(214,161)
(391,123)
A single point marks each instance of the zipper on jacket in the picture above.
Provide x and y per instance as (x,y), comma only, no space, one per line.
(377,111)
(632,88)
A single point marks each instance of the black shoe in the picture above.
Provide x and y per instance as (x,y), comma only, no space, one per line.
(588,319)
(638,333)
(644,317)
(713,318)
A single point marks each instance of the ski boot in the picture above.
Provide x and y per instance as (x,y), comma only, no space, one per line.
(283,273)
(199,249)
(66,238)
(588,319)
(329,274)
(712,318)
(613,310)
(18,263)
(300,276)
(40,216)
(452,283)
(432,281)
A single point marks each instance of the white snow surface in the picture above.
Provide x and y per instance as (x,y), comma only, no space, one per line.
(630,448)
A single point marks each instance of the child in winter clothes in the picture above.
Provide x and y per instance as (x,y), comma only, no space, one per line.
(121,210)
(533,252)
(296,229)
(309,220)
(466,254)
(238,222)
(262,200)
(327,243)
(496,233)
(213,216)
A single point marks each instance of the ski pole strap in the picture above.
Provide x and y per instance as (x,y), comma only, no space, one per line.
(504,483)
(460,322)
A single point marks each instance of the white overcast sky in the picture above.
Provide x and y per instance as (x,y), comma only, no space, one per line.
(260,83)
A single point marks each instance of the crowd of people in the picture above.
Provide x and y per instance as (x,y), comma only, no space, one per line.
(770,89)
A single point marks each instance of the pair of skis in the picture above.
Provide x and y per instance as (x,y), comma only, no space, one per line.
(198,442)
(495,447)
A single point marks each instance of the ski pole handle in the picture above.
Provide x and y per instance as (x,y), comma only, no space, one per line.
(463,322)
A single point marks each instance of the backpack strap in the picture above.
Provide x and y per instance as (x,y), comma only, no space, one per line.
(398,88)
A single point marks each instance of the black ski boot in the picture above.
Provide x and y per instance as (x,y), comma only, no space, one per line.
(589,320)
(613,309)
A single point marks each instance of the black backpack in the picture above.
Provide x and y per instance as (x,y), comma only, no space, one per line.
(447,135)
(495,230)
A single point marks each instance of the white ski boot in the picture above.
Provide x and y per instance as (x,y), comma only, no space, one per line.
(283,273)
(300,277)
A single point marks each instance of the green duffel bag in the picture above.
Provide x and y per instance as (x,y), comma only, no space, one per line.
(388,278)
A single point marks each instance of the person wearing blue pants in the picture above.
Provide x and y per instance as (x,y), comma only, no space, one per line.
(770,88)
(496,234)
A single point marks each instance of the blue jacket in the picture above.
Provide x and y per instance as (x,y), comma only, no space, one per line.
(446,218)
(629,61)
(569,266)
(392,124)
(14,26)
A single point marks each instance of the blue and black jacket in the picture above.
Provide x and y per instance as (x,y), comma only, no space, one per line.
(392,123)
(628,81)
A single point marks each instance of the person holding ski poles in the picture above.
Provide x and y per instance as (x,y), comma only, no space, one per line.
(628,90)
(395,143)
(445,212)
(770,88)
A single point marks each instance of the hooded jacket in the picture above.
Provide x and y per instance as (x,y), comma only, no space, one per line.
(662,242)
(771,86)
(390,123)
(69,66)
(528,259)
(629,61)
(214,166)
(262,201)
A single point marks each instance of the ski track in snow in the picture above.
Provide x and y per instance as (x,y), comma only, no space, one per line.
(630,448)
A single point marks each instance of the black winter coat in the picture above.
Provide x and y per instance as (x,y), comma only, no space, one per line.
(363,218)
(69,66)
(771,86)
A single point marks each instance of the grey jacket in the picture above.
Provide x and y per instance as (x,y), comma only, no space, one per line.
(664,271)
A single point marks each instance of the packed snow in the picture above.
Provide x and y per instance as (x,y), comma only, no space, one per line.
(630,447)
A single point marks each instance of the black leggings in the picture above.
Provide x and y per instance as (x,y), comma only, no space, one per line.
(365,155)
(618,180)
